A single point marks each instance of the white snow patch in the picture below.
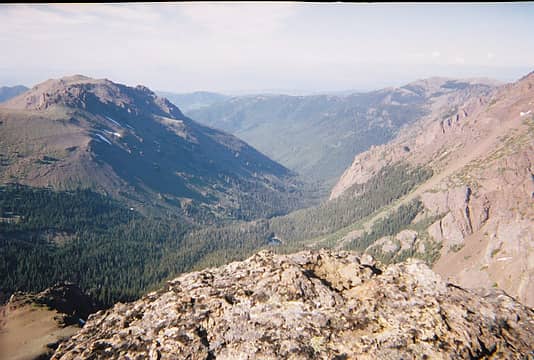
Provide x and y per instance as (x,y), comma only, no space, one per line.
(525,113)
(129,127)
(103,138)
(113,121)
(505,258)
(116,134)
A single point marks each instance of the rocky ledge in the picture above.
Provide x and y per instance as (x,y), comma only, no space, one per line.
(320,305)
(71,303)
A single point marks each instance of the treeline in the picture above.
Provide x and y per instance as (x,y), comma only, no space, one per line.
(361,200)
(391,224)
(388,225)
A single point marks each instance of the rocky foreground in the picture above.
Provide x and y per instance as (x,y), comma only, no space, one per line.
(321,305)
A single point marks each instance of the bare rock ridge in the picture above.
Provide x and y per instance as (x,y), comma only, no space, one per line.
(320,305)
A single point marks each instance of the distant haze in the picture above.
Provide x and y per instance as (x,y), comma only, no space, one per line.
(272,47)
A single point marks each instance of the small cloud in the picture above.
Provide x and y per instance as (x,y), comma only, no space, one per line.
(491,55)
(459,60)
(436,54)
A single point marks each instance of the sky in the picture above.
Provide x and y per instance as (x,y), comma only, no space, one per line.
(265,47)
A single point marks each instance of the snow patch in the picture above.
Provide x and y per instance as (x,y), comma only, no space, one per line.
(116,134)
(113,121)
(103,138)
(525,113)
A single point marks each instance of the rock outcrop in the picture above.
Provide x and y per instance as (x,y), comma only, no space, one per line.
(309,305)
(33,325)
(66,298)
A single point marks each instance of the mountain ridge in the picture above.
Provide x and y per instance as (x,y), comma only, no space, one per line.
(318,135)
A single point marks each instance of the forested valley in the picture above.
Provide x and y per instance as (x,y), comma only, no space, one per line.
(117,254)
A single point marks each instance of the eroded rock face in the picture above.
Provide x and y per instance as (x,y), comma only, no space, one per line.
(321,305)
(481,194)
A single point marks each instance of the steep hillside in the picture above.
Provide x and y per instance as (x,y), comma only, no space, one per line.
(8,92)
(318,136)
(478,205)
(127,142)
(193,101)
(310,305)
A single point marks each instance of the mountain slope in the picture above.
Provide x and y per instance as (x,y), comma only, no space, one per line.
(318,136)
(127,142)
(8,92)
(309,305)
(477,206)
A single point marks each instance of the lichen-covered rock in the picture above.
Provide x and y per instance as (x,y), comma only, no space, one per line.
(309,305)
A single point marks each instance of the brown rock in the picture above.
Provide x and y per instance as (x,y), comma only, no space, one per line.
(310,305)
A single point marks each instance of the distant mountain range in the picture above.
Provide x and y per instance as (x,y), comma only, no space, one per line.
(193,101)
(129,143)
(7,92)
(317,136)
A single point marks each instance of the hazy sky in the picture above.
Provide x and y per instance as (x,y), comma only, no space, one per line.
(265,46)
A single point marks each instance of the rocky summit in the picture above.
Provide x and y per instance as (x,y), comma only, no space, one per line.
(320,305)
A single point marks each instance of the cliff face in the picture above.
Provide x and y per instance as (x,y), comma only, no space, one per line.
(482,190)
(326,305)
